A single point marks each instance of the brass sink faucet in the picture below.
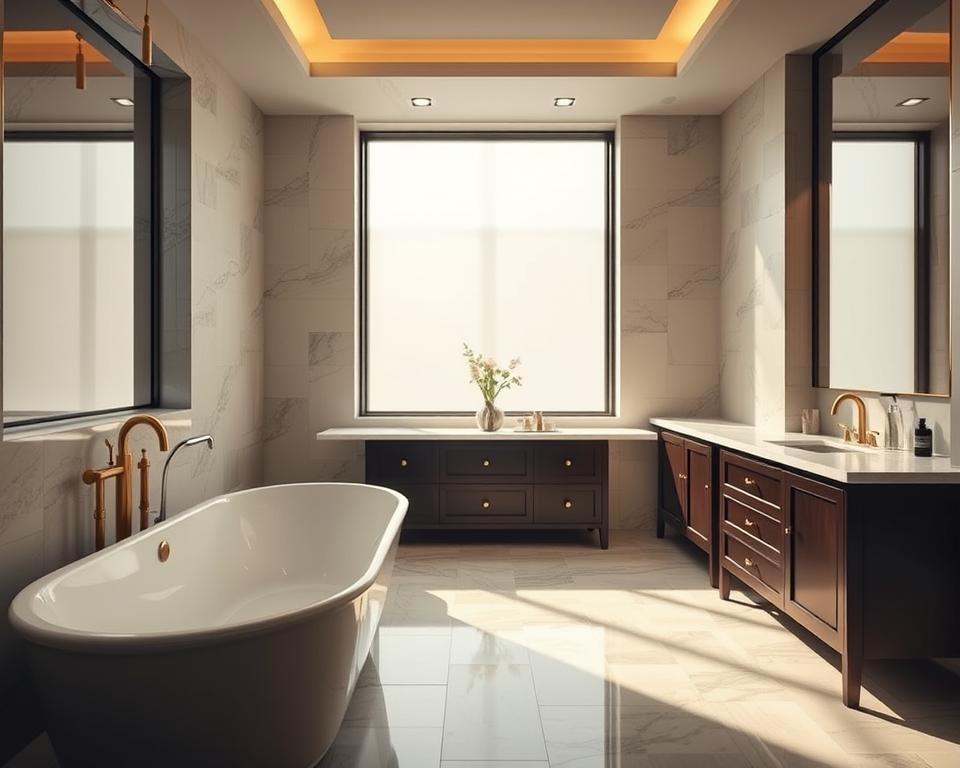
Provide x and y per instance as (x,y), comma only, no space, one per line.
(863,437)
(123,472)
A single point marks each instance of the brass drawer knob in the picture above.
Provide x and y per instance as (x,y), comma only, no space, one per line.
(749,481)
(568,462)
(403,462)
(748,562)
(485,504)
(748,522)
(486,462)
(567,504)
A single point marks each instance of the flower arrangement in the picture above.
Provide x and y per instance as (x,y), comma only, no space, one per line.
(490,377)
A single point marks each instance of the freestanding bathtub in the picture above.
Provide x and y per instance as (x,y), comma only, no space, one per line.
(241,648)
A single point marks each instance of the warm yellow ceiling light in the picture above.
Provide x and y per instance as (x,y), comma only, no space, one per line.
(686,26)
(914,48)
(48,46)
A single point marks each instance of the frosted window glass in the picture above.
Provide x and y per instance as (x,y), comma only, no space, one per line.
(873,266)
(497,243)
(68,276)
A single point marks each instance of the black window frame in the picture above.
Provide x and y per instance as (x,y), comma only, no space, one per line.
(610,296)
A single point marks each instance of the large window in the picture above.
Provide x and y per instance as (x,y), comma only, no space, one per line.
(501,241)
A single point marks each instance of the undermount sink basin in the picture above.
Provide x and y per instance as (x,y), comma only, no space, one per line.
(813,446)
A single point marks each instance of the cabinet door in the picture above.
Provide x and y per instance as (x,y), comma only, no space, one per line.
(673,486)
(698,492)
(815,556)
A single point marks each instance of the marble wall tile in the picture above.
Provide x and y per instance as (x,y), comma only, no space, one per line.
(45,509)
(753,164)
(21,492)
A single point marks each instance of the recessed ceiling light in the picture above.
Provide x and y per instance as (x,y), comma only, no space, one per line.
(421,101)
(564,101)
(913,101)
(123,101)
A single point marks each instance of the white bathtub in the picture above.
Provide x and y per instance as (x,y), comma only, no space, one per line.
(242,649)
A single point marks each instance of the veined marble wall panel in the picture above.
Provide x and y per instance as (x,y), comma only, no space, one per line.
(753,268)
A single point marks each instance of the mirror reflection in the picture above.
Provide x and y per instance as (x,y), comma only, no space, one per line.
(882,298)
(69,212)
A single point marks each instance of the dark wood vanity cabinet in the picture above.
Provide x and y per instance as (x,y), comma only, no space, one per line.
(870,569)
(496,484)
(782,535)
(685,494)
(814,524)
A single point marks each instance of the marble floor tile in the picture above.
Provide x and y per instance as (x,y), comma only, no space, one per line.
(500,651)
(416,609)
(492,714)
(589,735)
(494,764)
(410,659)
(642,684)
(384,748)
(470,645)
(397,706)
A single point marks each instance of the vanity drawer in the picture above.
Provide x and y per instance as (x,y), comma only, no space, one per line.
(506,463)
(560,504)
(753,527)
(756,480)
(424,506)
(753,569)
(500,505)
(392,462)
(576,462)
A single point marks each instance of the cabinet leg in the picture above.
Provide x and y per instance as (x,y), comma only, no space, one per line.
(851,666)
(604,538)
(724,583)
(660,527)
(714,568)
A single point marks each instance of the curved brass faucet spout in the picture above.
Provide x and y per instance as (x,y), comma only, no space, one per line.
(148,421)
(125,481)
(122,470)
(861,413)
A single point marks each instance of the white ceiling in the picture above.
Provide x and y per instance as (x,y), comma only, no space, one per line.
(752,37)
(460,19)
(48,102)
(868,100)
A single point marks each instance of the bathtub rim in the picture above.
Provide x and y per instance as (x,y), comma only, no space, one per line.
(34,629)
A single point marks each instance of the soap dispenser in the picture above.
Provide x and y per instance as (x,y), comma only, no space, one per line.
(923,440)
(895,434)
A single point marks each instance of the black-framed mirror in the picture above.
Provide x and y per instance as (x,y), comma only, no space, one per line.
(96,215)
(881,220)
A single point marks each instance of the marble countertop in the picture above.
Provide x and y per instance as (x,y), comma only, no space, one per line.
(460,433)
(859,464)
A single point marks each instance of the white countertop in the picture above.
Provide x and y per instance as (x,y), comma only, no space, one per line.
(459,433)
(860,465)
